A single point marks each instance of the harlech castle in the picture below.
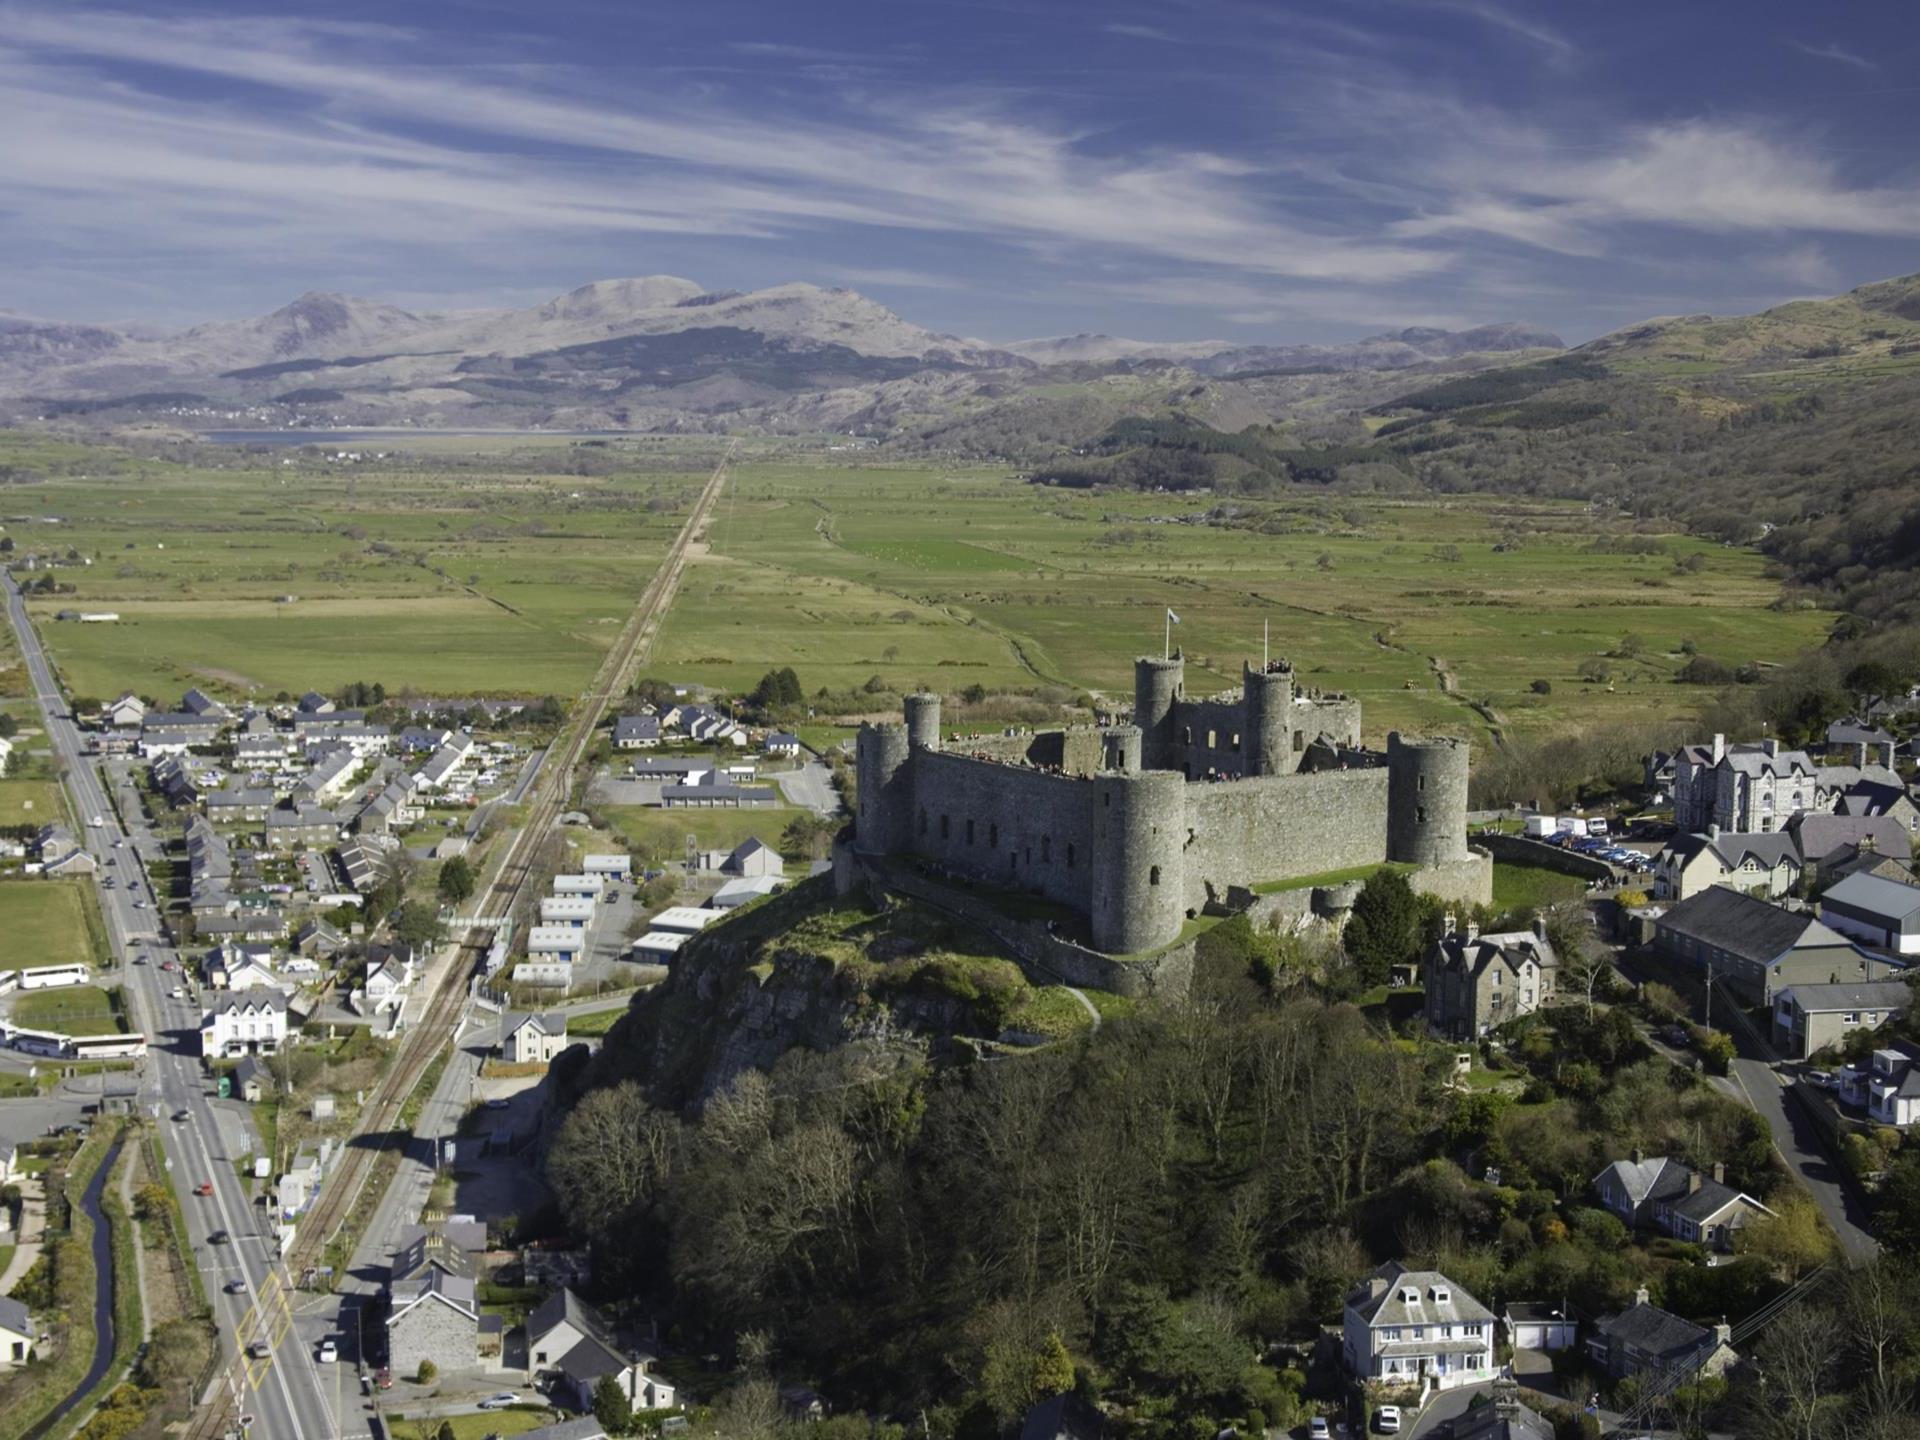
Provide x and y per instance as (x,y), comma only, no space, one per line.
(1195,805)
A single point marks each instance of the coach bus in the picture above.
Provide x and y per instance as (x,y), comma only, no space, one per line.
(48,977)
(106,1047)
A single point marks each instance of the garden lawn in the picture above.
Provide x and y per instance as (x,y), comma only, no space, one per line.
(1533,887)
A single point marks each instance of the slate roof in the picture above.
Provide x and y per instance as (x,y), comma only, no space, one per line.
(1852,732)
(456,1290)
(581,1427)
(1818,836)
(1743,926)
(1876,896)
(1857,995)
(264,999)
(1496,1422)
(1656,1179)
(15,1317)
(1377,1299)
(1656,1332)
(636,727)
(1767,848)
(599,1354)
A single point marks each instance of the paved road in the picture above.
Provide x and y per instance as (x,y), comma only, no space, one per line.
(811,786)
(1803,1146)
(285,1395)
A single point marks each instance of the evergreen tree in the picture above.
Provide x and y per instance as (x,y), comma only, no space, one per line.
(1384,929)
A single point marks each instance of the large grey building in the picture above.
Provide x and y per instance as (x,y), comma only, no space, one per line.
(1137,827)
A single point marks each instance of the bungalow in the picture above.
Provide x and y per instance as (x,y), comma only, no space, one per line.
(16,1333)
(1809,1018)
(636,732)
(314,703)
(318,937)
(1757,949)
(569,1340)
(236,925)
(1676,1199)
(1409,1326)
(197,702)
(423,740)
(782,744)
(532,1039)
(1884,913)
(1859,742)
(1646,1340)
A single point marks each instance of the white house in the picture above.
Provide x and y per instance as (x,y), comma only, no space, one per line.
(1676,1199)
(244,1022)
(752,858)
(16,1333)
(1409,1326)
(126,712)
(568,1336)
(1893,1088)
(782,744)
(532,1039)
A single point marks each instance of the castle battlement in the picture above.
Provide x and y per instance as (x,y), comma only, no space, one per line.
(1138,826)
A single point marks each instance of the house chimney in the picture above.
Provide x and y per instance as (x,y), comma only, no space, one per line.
(1634,1155)
(1713,831)
(1771,746)
(1719,748)
(1693,1182)
(1452,928)
(1540,929)
(1719,1173)
(1640,1296)
(1473,929)
(1723,1333)
(1859,748)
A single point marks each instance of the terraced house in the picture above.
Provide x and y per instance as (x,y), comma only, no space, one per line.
(1410,1326)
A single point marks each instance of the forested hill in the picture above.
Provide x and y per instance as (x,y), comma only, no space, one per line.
(1798,428)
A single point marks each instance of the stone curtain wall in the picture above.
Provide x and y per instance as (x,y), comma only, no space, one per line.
(1249,831)
(1007,826)
(1336,717)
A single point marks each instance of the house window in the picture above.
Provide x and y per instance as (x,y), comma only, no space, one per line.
(1419,1332)
(1851,1018)
(1236,742)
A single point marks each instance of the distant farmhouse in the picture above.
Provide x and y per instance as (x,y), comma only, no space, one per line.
(1137,827)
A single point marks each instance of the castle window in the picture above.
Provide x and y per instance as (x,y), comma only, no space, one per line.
(1069,855)
(1299,741)
(1186,735)
(993,835)
(1420,814)
(1236,742)
(1046,849)
(1153,875)
(923,819)
(1420,782)
(969,832)
(946,827)
(1213,739)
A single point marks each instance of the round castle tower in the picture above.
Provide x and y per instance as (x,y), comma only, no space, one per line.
(1426,799)
(923,721)
(1266,743)
(1139,884)
(1157,687)
(883,824)
(1120,749)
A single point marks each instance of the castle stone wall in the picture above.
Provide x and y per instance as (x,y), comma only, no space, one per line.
(1248,831)
(1005,825)
(1335,716)
(1210,735)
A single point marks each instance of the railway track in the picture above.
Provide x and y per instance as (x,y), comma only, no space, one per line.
(418,1047)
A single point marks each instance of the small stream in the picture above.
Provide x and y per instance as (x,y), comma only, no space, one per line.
(102,1297)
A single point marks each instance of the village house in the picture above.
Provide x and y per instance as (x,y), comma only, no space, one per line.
(1830,844)
(331,773)
(249,1080)
(1532,1326)
(1740,787)
(1409,1326)
(532,1039)
(1809,1018)
(784,745)
(1884,913)
(1646,1340)
(1893,1087)
(126,712)
(1675,1199)
(570,1340)
(16,1333)
(59,853)
(636,732)
(244,1023)
(445,767)
(1765,863)
(432,1316)
(1476,983)
(318,937)
(1758,949)
(301,828)
(240,803)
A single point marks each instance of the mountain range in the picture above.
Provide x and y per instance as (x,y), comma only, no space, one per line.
(652,352)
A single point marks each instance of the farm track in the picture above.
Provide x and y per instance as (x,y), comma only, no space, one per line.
(379,1130)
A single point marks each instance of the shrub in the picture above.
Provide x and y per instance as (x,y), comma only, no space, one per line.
(428,1373)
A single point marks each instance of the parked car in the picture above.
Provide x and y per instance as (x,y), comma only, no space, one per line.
(1318,1429)
(500,1401)
(1387,1419)
(329,1352)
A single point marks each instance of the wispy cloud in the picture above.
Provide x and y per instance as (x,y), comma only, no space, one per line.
(1834,52)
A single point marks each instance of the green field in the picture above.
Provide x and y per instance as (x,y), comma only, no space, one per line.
(46,922)
(661,835)
(75,1010)
(30,802)
(1533,887)
(946,578)
(478,575)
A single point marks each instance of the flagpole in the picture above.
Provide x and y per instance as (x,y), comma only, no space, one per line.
(1263,647)
(1166,645)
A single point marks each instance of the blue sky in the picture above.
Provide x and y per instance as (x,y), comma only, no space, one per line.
(1188,168)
